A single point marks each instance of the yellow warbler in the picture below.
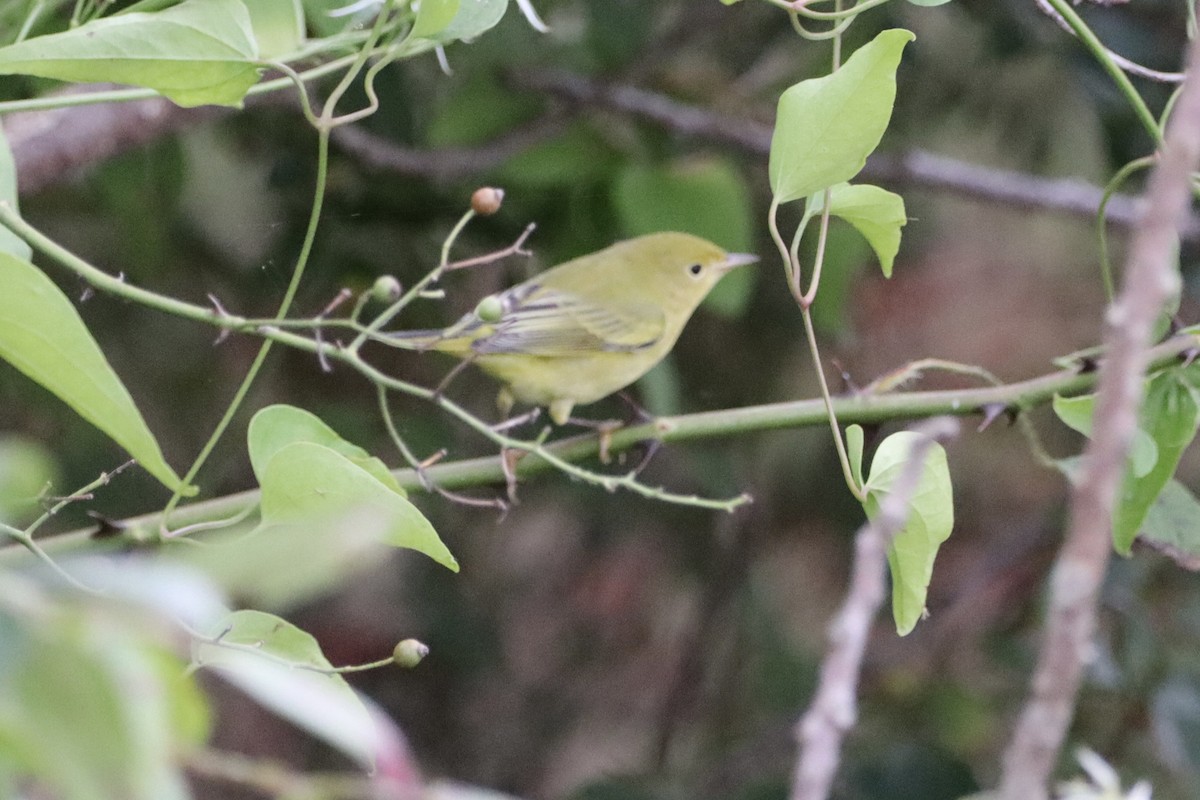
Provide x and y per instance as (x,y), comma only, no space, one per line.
(587,328)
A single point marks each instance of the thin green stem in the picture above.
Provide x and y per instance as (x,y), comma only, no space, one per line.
(1101,54)
(1110,189)
(864,409)
(791,265)
(364,53)
(256,649)
(35,10)
(819,260)
(794,253)
(415,291)
(25,537)
(305,104)
(819,36)
(847,472)
(25,540)
(284,306)
(74,497)
(1169,107)
(806,299)
(102,280)
(369,88)
(806,10)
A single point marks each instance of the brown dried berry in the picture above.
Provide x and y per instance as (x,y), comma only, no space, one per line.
(487,200)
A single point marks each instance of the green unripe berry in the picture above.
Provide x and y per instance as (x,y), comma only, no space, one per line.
(409,653)
(490,308)
(386,289)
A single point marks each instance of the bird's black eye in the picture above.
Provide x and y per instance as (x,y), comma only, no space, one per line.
(696,269)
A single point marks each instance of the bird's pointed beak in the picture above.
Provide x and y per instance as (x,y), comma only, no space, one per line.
(734,260)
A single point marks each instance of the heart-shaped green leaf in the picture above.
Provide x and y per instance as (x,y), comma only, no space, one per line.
(826,127)
(196,53)
(929,522)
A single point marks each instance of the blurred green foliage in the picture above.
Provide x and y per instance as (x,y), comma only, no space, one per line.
(605,647)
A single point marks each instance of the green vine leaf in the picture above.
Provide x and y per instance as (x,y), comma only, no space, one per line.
(1170,416)
(327,506)
(1167,424)
(930,520)
(312,490)
(1170,525)
(42,335)
(473,18)
(9,241)
(95,705)
(1076,414)
(433,17)
(854,451)
(287,672)
(196,53)
(874,212)
(278,26)
(826,127)
(277,426)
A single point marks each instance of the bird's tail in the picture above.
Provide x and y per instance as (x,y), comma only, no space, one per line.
(441,339)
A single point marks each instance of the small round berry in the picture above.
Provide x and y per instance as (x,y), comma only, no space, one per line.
(486,201)
(386,289)
(409,653)
(490,308)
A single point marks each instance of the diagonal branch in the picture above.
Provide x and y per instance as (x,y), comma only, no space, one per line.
(914,168)
(51,146)
(863,409)
(447,163)
(1079,572)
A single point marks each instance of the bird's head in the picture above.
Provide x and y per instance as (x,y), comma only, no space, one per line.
(679,269)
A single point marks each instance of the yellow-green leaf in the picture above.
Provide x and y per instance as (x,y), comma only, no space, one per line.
(277,426)
(196,53)
(433,16)
(929,522)
(310,489)
(42,335)
(282,667)
(826,127)
(874,212)
(9,241)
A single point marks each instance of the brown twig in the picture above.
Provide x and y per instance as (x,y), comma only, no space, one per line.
(1075,582)
(834,708)
(1132,67)
(52,146)
(914,168)
(517,248)
(446,163)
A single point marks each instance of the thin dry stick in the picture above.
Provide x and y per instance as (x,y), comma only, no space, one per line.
(834,707)
(1132,67)
(1075,583)
(911,169)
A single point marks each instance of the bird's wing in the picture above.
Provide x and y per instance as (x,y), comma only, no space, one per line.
(543,321)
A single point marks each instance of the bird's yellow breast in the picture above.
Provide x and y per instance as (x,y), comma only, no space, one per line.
(582,378)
